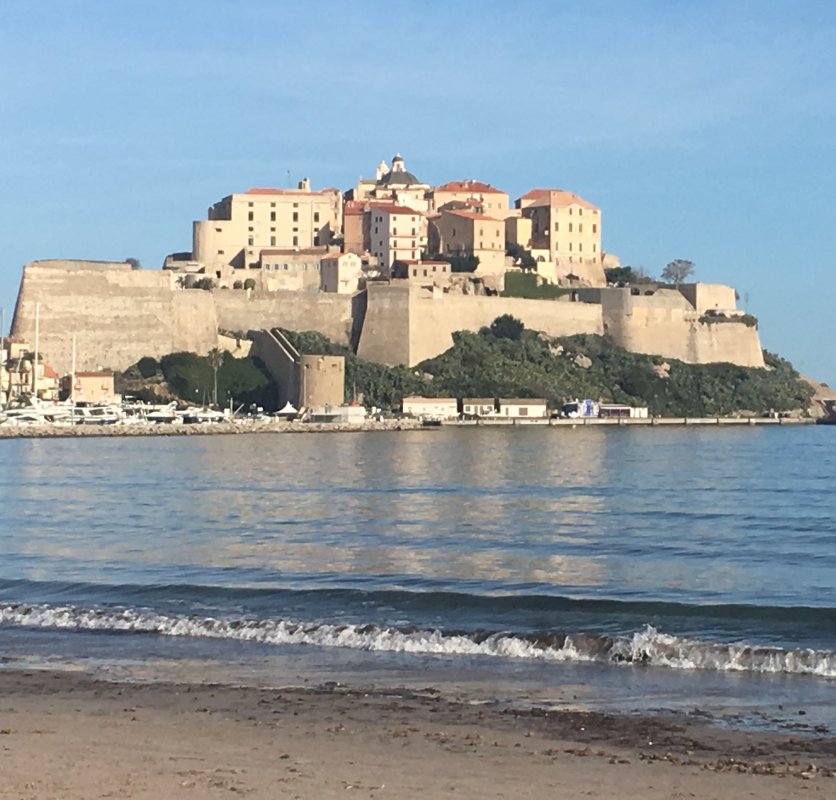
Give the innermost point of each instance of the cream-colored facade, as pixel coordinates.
(569, 228)
(423, 273)
(91, 387)
(393, 184)
(289, 269)
(341, 273)
(481, 197)
(466, 232)
(434, 407)
(518, 230)
(397, 233)
(240, 226)
(479, 407)
(516, 408)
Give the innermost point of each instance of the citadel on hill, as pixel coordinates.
(391, 267)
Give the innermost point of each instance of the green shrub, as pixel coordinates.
(526, 284)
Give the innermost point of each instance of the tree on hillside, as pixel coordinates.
(627, 275)
(677, 271)
(507, 327)
(134, 262)
(521, 255)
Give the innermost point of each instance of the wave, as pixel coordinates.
(424, 600)
(643, 647)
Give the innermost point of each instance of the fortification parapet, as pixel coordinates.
(662, 321)
(117, 314)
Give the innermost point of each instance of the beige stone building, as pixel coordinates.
(569, 229)
(18, 378)
(240, 226)
(341, 273)
(394, 184)
(397, 233)
(288, 269)
(480, 197)
(90, 387)
(423, 273)
(459, 232)
(518, 230)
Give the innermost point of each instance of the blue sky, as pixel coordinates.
(704, 131)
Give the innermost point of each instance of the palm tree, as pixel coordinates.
(216, 359)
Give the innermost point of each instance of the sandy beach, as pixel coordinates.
(64, 735)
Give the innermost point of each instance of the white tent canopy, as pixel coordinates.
(289, 409)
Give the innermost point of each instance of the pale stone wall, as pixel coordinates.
(118, 315)
(407, 326)
(666, 324)
(330, 314)
(434, 318)
(385, 334)
(709, 296)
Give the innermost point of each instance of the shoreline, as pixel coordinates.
(69, 735)
(261, 427)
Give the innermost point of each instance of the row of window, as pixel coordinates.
(580, 227)
(272, 205)
(580, 247)
(295, 216)
(251, 241)
(291, 267)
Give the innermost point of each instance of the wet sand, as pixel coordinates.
(64, 735)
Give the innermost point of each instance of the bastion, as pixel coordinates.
(117, 315)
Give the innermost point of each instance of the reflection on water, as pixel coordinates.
(673, 514)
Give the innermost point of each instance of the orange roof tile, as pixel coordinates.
(294, 192)
(398, 210)
(470, 215)
(556, 197)
(468, 186)
(294, 251)
(49, 372)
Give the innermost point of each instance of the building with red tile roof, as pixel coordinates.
(396, 232)
(459, 232)
(240, 226)
(487, 198)
(568, 229)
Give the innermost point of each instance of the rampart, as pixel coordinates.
(330, 314)
(665, 323)
(408, 325)
(119, 315)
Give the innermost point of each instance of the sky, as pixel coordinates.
(704, 131)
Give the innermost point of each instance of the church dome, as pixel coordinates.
(398, 176)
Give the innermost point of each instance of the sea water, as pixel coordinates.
(623, 569)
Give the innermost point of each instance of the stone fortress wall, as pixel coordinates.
(119, 315)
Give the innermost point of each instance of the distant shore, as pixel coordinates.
(67, 735)
(273, 426)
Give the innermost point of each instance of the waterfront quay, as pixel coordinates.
(634, 421)
(402, 424)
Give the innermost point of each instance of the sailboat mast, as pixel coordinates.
(37, 345)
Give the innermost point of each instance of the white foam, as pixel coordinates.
(647, 646)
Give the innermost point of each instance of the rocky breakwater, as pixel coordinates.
(222, 428)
